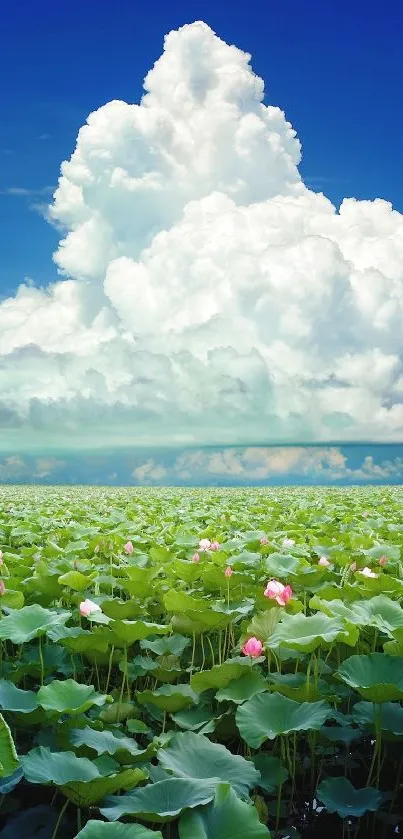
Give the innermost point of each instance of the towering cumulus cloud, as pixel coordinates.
(206, 295)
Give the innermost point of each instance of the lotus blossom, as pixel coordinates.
(204, 545)
(353, 566)
(88, 607)
(383, 560)
(228, 571)
(324, 562)
(288, 543)
(264, 540)
(1, 557)
(196, 557)
(2, 588)
(276, 591)
(129, 548)
(215, 546)
(366, 572)
(253, 647)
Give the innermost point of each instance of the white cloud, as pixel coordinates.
(270, 463)
(149, 472)
(210, 297)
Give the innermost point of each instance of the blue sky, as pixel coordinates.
(226, 308)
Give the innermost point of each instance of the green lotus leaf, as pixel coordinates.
(243, 688)
(130, 631)
(179, 601)
(162, 801)
(339, 796)
(225, 818)
(378, 677)
(194, 719)
(171, 644)
(109, 742)
(76, 580)
(12, 599)
(103, 830)
(263, 624)
(169, 698)
(388, 549)
(41, 766)
(307, 633)
(69, 697)
(88, 793)
(117, 712)
(281, 566)
(296, 686)
(265, 716)
(30, 622)
(10, 782)
(379, 611)
(389, 716)
(14, 699)
(191, 755)
(220, 675)
(272, 771)
(9, 762)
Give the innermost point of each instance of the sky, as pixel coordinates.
(201, 286)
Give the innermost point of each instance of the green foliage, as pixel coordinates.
(149, 710)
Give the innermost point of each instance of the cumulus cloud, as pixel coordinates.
(206, 294)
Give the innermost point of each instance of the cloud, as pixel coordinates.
(263, 464)
(209, 296)
(149, 472)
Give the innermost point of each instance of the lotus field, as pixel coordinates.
(200, 664)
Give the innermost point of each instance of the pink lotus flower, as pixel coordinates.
(196, 557)
(276, 591)
(353, 567)
(204, 545)
(264, 540)
(383, 560)
(366, 572)
(324, 562)
(228, 571)
(253, 647)
(2, 588)
(129, 548)
(215, 546)
(288, 543)
(88, 607)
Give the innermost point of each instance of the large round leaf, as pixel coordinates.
(41, 766)
(390, 717)
(378, 677)
(15, 699)
(127, 632)
(69, 697)
(191, 755)
(88, 793)
(220, 675)
(103, 830)
(265, 716)
(29, 622)
(225, 818)
(8, 755)
(168, 697)
(162, 801)
(339, 796)
(307, 633)
(243, 688)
